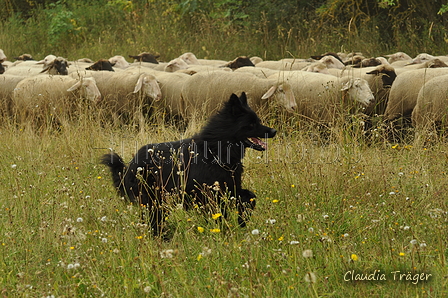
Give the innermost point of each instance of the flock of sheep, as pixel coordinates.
(320, 89)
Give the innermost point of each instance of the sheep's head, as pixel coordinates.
(176, 64)
(87, 88)
(119, 61)
(434, 63)
(24, 57)
(149, 86)
(387, 73)
(47, 60)
(332, 62)
(358, 90)
(57, 67)
(146, 57)
(239, 62)
(318, 67)
(398, 56)
(421, 58)
(284, 96)
(189, 58)
(101, 64)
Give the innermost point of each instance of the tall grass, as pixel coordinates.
(323, 209)
(329, 201)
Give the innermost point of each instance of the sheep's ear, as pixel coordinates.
(270, 92)
(347, 85)
(139, 84)
(74, 87)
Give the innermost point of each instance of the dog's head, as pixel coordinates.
(246, 124)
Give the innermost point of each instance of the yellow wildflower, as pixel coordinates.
(216, 216)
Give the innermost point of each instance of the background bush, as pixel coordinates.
(222, 29)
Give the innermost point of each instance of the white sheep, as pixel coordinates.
(7, 85)
(422, 57)
(317, 67)
(323, 98)
(24, 68)
(212, 62)
(204, 93)
(261, 72)
(404, 91)
(431, 110)
(51, 64)
(2, 56)
(284, 64)
(332, 62)
(379, 78)
(47, 60)
(171, 104)
(47, 99)
(398, 56)
(255, 59)
(174, 65)
(125, 93)
(189, 58)
(119, 62)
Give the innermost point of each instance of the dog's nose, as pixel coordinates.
(272, 133)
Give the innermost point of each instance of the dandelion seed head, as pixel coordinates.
(413, 242)
(167, 253)
(79, 219)
(147, 289)
(310, 277)
(307, 253)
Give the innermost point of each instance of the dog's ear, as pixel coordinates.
(236, 104)
(243, 99)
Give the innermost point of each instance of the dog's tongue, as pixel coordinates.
(259, 142)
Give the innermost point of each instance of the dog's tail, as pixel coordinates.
(117, 168)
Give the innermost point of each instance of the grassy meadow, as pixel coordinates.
(327, 212)
(331, 210)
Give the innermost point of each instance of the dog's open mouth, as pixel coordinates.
(256, 143)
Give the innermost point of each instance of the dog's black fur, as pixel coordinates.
(195, 165)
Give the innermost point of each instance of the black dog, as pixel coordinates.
(201, 171)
